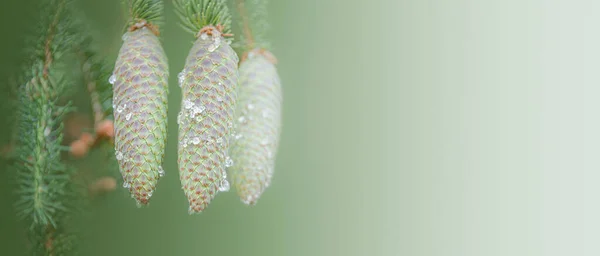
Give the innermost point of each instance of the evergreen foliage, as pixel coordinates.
(197, 14)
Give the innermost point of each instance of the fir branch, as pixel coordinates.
(44, 184)
(254, 24)
(145, 13)
(197, 14)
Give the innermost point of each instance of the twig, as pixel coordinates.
(47, 48)
(247, 31)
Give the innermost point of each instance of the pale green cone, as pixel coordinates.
(258, 122)
(208, 84)
(140, 111)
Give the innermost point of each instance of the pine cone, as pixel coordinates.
(140, 110)
(208, 83)
(258, 115)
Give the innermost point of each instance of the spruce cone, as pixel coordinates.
(208, 83)
(140, 111)
(258, 116)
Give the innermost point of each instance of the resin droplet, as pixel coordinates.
(204, 36)
(161, 171)
(196, 110)
(228, 162)
(181, 78)
(188, 104)
(112, 79)
(128, 116)
(212, 48)
(119, 155)
(121, 108)
(224, 186)
(179, 117)
(196, 141)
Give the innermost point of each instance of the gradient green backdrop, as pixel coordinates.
(411, 127)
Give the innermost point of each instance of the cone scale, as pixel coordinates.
(258, 126)
(208, 84)
(140, 111)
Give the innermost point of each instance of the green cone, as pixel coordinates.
(208, 83)
(140, 111)
(258, 116)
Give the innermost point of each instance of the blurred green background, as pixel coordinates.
(410, 128)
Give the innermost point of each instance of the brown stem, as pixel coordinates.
(47, 47)
(49, 245)
(247, 31)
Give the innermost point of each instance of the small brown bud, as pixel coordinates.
(87, 138)
(79, 148)
(106, 128)
(103, 185)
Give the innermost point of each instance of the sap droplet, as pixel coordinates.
(128, 116)
(219, 99)
(138, 204)
(124, 36)
(212, 47)
(121, 108)
(228, 162)
(203, 36)
(224, 186)
(161, 171)
(196, 141)
(150, 194)
(179, 117)
(119, 155)
(196, 110)
(238, 136)
(250, 106)
(220, 141)
(181, 77)
(126, 184)
(242, 119)
(249, 200)
(187, 104)
(112, 79)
